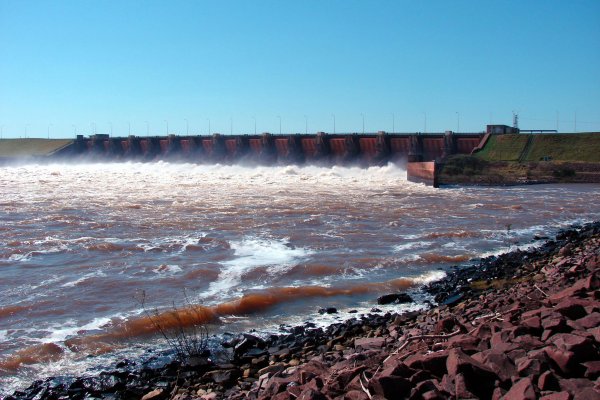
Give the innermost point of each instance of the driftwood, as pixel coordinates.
(418, 337)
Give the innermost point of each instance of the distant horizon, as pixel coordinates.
(73, 67)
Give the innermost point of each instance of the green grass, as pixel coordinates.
(30, 147)
(558, 147)
(503, 148)
(566, 147)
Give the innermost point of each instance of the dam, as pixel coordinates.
(321, 148)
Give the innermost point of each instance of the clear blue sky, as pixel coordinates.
(67, 64)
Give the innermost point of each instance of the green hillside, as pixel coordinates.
(535, 147)
(30, 147)
(566, 147)
(503, 148)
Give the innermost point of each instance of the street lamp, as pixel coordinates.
(75, 128)
(279, 116)
(231, 125)
(254, 118)
(187, 127)
(457, 122)
(393, 122)
(167, 122)
(110, 124)
(147, 128)
(128, 128)
(363, 121)
(333, 115)
(208, 119)
(305, 125)
(49, 130)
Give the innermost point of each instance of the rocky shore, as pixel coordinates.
(525, 325)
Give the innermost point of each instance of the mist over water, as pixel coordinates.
(255, 246)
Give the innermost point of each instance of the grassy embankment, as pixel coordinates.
(27, 148)
(528, 158)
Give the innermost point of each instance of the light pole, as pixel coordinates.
(93, 124)
(147, 128)
(187, 127)
(305, 125)
(208, 119)
(363, 121)
(231, 125)
(393, 122)
(425, 122)
(254, 118)
(167, 122)
(75, 128)
(49, 130)
(279, 116)
(110, 124)
(457, 122)
(128, 128)
(333, 115)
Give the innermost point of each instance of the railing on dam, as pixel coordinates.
(266, 148)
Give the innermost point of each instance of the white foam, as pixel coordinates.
(167, 269)
(95, 274)
(58, 333)
(411, 246)
(250, 253)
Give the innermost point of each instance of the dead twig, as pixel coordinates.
(544, 293)
(363, 386)
(413, 338)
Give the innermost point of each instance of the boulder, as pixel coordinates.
(434, 362)
(396, 298)
(479, 378)
(522, 390)
(390, 386)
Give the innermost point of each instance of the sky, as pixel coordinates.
(152, 67)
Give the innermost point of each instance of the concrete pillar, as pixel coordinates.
(382, 152)
(218, 148)
(415, 154)
(449, 144)
(322, 146)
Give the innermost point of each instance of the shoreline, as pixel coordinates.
(377, 355)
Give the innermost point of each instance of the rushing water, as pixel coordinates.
(257, 246)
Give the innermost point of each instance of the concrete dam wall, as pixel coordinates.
(364, 149)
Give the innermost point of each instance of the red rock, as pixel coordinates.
(547, 381)
(434, 363)
(498, 362)
(284, 396)
(592, 282)
(582, 347)
(562, 359)
(390, 386)
(596, 333)
(498, 393)
(533, 324)
(499, 338)
(576, 386)
(590, 321)
(460, 388)
(155, 395)
(479, 378)
(311, 394)
(557, 396)
(445, 325)
(369, 343)
(587, 393)
(466, 343)
(522, 390)
(531, 313)
(528, 342)
(532, 368)
(554, 324)
(343, 378)
(425, 386)
(592, 369)
(355, 395)
(398, 369)
(570, 309)
(433, 395)
(573, 291)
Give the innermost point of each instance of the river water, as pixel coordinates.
(256, 246)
